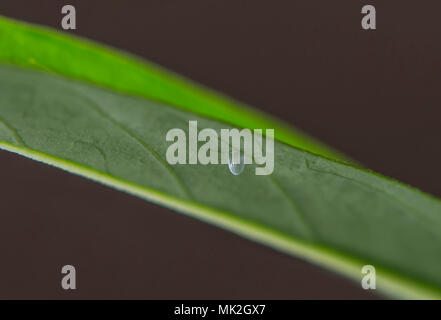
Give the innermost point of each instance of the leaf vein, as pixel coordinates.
(95, 106)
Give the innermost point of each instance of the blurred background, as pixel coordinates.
(374, 95)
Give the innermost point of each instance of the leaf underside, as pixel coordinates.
(322, 210)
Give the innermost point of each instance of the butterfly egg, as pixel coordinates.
(236, 164)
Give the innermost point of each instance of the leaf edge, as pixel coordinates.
(392, 284)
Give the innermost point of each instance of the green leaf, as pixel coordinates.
(112, 129)
(47, 50)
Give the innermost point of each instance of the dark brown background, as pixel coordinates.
(371, 94)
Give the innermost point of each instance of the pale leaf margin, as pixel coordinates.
(391, 283)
